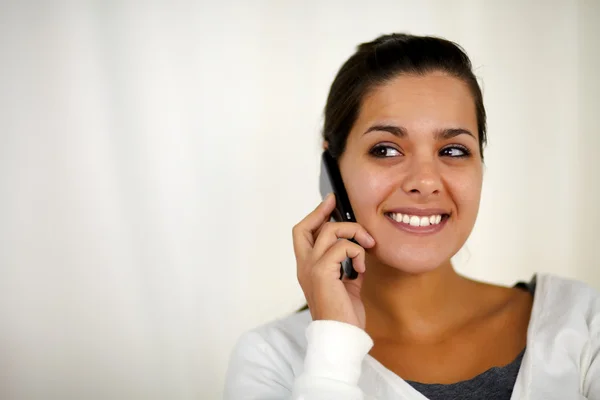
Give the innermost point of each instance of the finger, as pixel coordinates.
(303, 232)
(317, 232)
(329, 264)
(331, 232)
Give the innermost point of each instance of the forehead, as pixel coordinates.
(420, 102)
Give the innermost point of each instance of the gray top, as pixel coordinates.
(494, 384)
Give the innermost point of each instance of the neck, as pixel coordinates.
(405, 306)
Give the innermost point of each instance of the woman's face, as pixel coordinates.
(413, 170)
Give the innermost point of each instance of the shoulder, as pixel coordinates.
(266, 360)
(280, 342)
(287, 331)
(566, 332)
(565, 308)
(565, 298)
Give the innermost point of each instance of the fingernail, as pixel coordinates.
(370, 238)
(329, 196)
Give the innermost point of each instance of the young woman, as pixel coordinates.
(406, 123)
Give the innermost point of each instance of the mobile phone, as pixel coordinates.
(331, 181)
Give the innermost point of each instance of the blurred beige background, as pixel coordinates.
(154, 157)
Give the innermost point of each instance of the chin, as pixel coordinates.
(411, 260)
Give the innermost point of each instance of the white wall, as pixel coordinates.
(154, 157)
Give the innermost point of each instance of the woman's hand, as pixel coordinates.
(319, 253)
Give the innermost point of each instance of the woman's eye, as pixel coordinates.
(382, 151)
(455, 151)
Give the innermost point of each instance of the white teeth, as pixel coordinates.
(414, 220)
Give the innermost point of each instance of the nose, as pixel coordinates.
(423, 178)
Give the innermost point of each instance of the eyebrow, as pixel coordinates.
(401, 132)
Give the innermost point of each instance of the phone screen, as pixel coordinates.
(331, 181)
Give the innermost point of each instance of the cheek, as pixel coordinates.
(367, 190)
(466, 190)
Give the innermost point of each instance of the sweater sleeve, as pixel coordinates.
(333, 362)
(332, 366)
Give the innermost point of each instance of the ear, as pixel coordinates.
(325, 145)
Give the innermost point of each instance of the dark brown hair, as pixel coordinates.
(374, 63)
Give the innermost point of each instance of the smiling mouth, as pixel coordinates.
(418, 220)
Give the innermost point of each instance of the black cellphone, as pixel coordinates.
(331, 181)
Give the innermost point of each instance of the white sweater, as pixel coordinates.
(297, 358)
